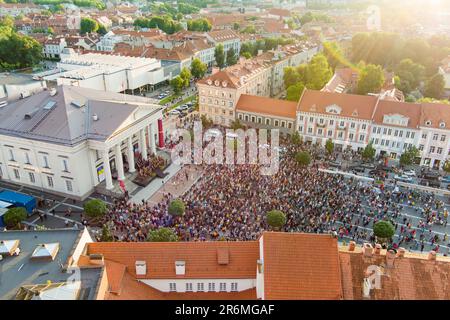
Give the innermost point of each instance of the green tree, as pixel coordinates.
(102, 29)
(236, 124)
(410, 74)
(296, 139)
(290, 76)
(206, 122)
(276, 219)
(294, 92)
(18, 51)
(177, 84)
(201, 25)
(371, 79)
(329, 146)
(368, 152)
(246, 55)
(106, 235)
(95, 208)
(383, 230)
(231, 57)
(162, 235)
(88, 25)
(7, 21)
(219, 55)
(303, 158)
(185, 75)
(236, 26)
(198, 68)
(14, 216)
(435, 86)
(333, 53)
(176, 208)
(408, 157)
(318, 72)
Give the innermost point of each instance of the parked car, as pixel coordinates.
(446, 179)
(357, 168)
(403, 178)
(434, 184)
(182, 107)
(333, 164)
(410, 173)
(182, 114)
(368, 165)
(174, 112)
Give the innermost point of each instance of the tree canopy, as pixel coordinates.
(95, 208)
(162, 235)
(231, 57)
(369, 152)
(276, 219)
(198, 68)
(176, 207)
(371, 79)
(303, 158)
(435, 86)
(164, 23)
(88, 25)
(408, 157)
(294, 92)
(219, 55)
(14, 216)
(201, 25)
(384, 230)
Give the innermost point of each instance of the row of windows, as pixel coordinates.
(397, 133)
(201, 286)
(433, 149)
(331, 123)
(267, 122)
(394, 144)
(45, 163)
(216, 110)
(435, 137)
(223, 94)
(217, 102)
(50, 183)
(340, 135)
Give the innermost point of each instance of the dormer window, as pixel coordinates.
(428, 123)
(442, 124)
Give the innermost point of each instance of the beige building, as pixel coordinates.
(219, 93)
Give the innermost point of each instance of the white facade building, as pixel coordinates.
(107, 72)
(70, 142)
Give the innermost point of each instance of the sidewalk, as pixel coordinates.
(147, 192)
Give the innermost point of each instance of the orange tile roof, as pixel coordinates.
(352, 105)
(436, 113)
(411, 278)
(410, 110)
(301, 266)
(267, 106)
(115, 273)
(200, 258)
(132, 289)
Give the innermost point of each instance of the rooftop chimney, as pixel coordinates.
(377, 248)
(401, 252)
(141, 268)
(432, 255)
(390, 257)
(352, 246)
(367, 249)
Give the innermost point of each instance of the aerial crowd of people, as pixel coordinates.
(230, 202)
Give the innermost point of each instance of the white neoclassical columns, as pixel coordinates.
(119, 162)
(143, 144)
(107, 169)
(151, 138)
(130, 155)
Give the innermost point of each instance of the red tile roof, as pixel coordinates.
(200, 258)
(352, 105)
(301, 266)
(387, 107)
(412, 277)
(267, 106)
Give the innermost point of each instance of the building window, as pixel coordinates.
(69, 185)
(290, 125)
(276, 123)
(432, 149)
(172, 287)
(11, 155)
(189, 287)
(253, 119)
(309, 130)
(311, 119)
(363, 126)
(319, 131)
(65, 165)
(27, 158)
(16, 174)
(283, 124)
(200, 286)
(352, 125)
(350, 136)
(342, 123)
(435, 136)
(300, 129)
(421, 147)
(246, 118)
(300, 118)
(234, 286)
(267, 122)
(31, 175)
(45, 158)
(340, 135)
(330, 133)
(223, 286)
(378, 130)
(439, 150)
(240, 116)
(331, 122)
(211, 286)
(50, 181)
(424, 136)
(376, 141)
(361, 137)
(390, 131)
(443, 137)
